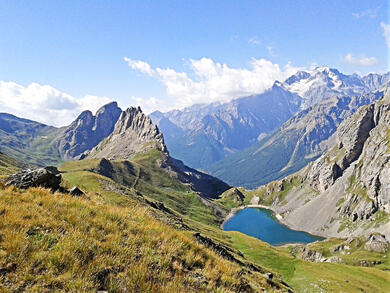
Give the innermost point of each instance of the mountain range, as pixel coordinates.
(229, 138)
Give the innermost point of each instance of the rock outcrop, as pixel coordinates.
(377, 243)
(87, 131)
(133, 133)
(204, 184)
(75, 191)
(48, 177)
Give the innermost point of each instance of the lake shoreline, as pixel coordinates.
(278, 217)
(233, 211)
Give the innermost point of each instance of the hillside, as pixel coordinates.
(148, 223)
(9, 165)
(345, 191)
(27, 140)
(291, 147)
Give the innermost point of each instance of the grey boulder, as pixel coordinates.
(48, 177)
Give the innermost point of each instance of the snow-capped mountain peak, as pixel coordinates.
(322, 82)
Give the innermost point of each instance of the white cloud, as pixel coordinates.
(371, 13)
(44, 103)
(140, 66)
(386, 33)
(214, 81)
(254, 41)
(361, 60)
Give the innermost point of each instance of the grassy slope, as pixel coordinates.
(57, 242)
(306, 276)
(143, 175)
(123, 245)
(8, 165)
(34, 149)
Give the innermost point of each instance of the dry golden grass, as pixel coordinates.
(55, 242)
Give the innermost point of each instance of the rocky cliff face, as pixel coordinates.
(347, 190)
(133, 133)
(87, 131)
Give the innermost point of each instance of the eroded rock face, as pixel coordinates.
(87, 131)
(48, 177)
(204, 184)
(353, 133)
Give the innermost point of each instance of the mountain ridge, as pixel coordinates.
(217, 130)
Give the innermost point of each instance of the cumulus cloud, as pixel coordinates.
(386, 33)
(214, 81)
(371, 13)
(44, 103)
(361, 60)
(140, 66)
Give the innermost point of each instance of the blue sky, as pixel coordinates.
(78, 47)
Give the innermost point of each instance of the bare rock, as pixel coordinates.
(75, 191)
(376, 242)
(312, 255)
(133, 133)
(48, 177)
(87, 131)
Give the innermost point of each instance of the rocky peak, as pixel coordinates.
(87, 131)
(134, 132)
(85, 116)
(104, 116)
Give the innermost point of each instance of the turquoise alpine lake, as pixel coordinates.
(261, 223)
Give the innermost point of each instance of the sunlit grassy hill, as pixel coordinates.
(105, 241)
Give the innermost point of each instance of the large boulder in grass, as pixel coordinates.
(48, 177)
(376, 242)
